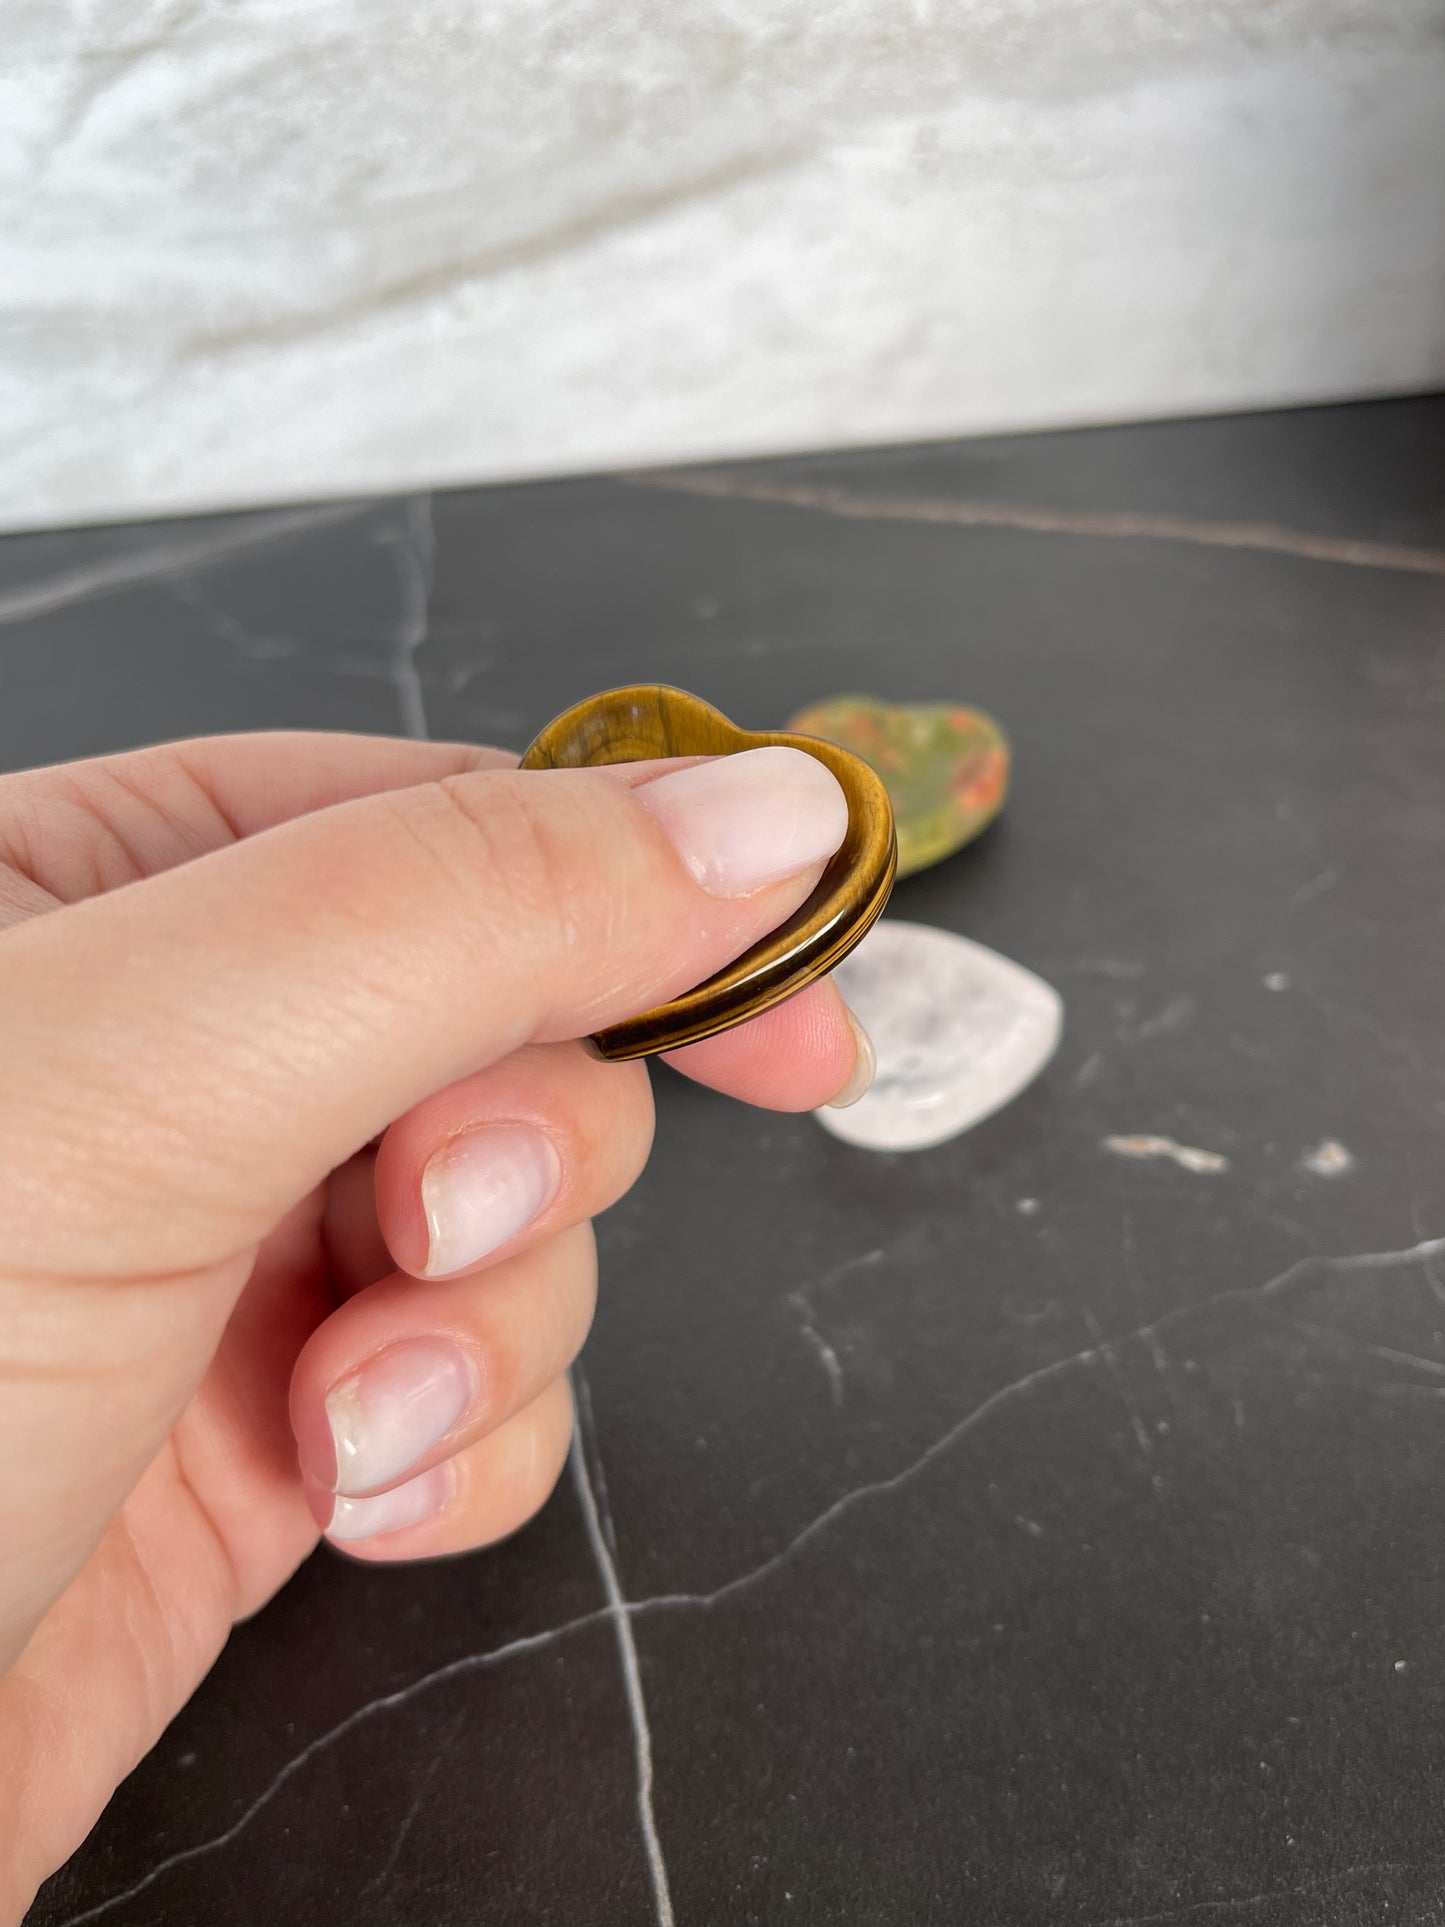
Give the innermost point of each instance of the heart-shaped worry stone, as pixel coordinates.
(946, 767)
(649, 720)
(959, 1032)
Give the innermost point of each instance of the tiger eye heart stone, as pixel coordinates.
(648, 721)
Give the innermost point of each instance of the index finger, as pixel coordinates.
(73, 830)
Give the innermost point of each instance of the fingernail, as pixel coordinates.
(750, 819)
(411, 1504)
(397, 1407)
(865, 1067)
(482, 1189)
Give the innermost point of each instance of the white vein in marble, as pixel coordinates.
(1424, 1252)
(959, 1032)
(602, 1539)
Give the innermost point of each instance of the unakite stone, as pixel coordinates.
(946, 767)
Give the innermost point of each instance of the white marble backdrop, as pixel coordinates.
(265, 249)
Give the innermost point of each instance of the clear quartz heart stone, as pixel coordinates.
(959, 1032)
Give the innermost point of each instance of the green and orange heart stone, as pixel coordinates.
(946, 768)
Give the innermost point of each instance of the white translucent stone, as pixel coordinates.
(959, 1032)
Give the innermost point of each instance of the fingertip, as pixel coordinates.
(315, 1444)
(865, 1066)
(548, 1136)
(320, 1500)
(801, 1055)
(479, 1496)
(382, 1516)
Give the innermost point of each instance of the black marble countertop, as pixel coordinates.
(1108, 1589)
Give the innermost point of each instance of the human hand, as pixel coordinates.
(229, 971)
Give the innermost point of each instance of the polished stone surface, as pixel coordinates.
(1020, 1531)
(959, 1031)
(258, 251)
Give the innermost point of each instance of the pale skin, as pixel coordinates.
(262, 1002)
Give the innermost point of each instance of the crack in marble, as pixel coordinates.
(1388, 1352)
(1107, 524)
(1176, 1015)
(1117, 969)
(228, 628)
(1370, 1387)
(384, 1703)
(1417, 1222)
(1157, 1353)
(1417, 1254)
(1130, 1257)
(618, 1613)
(629, 206)
(1245, 1901)
(100, 70)
(823, 1351)
(801, 1301)
(409, 1818)
(1318, 885)
(1089, 1070)
(582, 1393)
(1422, 1253)
(415, 544)
(162, 561)
(1105, 1351)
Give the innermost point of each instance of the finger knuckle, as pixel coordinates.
(520, 841)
